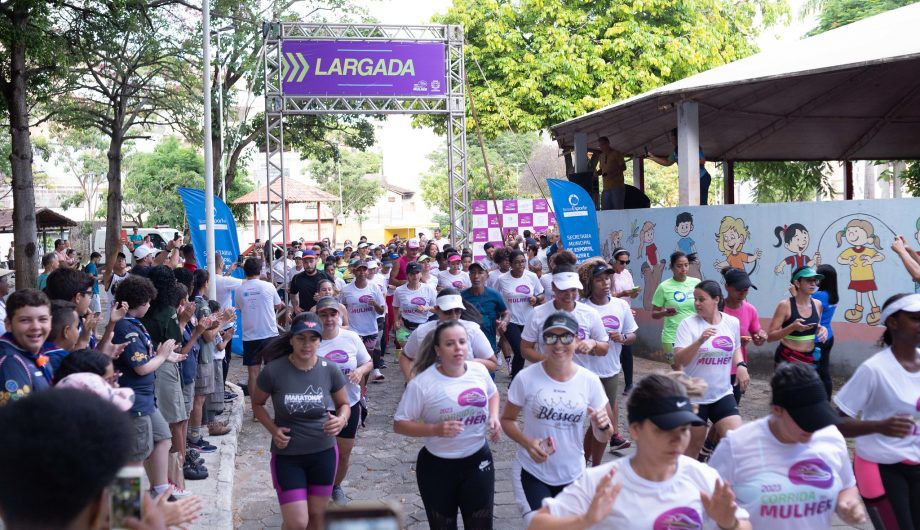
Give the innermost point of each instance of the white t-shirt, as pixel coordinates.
(347, 351)
(557, 409)
(784, 486)
(432, 280)
(589, 327)
(713, 362)
(670, 504)
(256, 301)
(517, 293)
(441, 242)
(226, 287)
(541, 255)
(113, 284)
(381, 282)
(879, 389)
(479, 347)
(615, 316)
(408, 301)
(459, 281)
(433, 397)
(546, 280)
(362, 318)
(492, 278)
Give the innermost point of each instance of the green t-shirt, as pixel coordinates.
(679, 295)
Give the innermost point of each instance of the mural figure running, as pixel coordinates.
(860, 233)
(795, 239)
(732, 236)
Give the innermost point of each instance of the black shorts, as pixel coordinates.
(251, 351)
(296, 477)
(351, 428)
(718, 410)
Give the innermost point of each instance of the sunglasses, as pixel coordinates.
(621, 262)
(551, 338)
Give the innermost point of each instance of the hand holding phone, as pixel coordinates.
(126, 497)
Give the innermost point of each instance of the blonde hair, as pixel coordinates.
(731, 223)
(647, 227)
(584, 274)
(864, 225)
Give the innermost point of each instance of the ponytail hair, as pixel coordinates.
(199, 279)
(427, 355)
(785, 233)
(280, 346)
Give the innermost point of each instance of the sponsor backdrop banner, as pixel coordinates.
(769, 241)
(363, 68)
(225, 238)
(515, 215)
(576, 217)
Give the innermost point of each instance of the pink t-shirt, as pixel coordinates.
(750, 324)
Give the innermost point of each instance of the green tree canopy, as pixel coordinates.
(835, 13)
(347, 176)
(507, 153)
(549, 61)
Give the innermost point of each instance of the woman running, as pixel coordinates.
(327, 288)
(673, 302)
(304, 452)
(413, 302)
(556, 396)
(827, 295)
(346, 350)
(453, 276)
(623, 287)
(429, 276)
(618, 322)
(884, 394)
(450, 306)
(737, 285)
(453, 404)
(656, 488)
(791, 469)
(706, 345)
(522, 291)
(797, 321)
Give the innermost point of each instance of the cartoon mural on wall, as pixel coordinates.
(732, 236)
(795, 239)
(866, 229)
(611, 243)
(860, 235)
(652, 267)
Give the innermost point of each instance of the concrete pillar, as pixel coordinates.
(638, 171)
(581, 152)
(896, 170)
(688, 153)
(869, 177)
(728, 184)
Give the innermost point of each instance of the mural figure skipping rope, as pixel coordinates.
(860, 233)
(652, 268)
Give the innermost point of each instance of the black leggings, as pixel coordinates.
(626, 361)
(535, 490)
(899, 507)
(447, 484)
(513, 336)
(824, 366)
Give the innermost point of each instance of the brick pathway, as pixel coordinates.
(383, 463)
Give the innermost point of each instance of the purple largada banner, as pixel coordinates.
(363, 68)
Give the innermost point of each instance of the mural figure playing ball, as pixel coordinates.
(860, 234)
(732, 236)
(795, 239)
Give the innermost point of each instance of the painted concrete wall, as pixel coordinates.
(769, 241)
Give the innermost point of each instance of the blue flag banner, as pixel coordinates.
(576, 218)
(225, 238)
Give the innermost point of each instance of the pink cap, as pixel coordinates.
(413, 243)
(122, 398)
(454, 257)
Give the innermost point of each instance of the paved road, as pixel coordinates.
(383, 463)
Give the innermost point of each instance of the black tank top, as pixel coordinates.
(807, 334)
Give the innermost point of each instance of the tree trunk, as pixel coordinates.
(25, 230)
(113, 243)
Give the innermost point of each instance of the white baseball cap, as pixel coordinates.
(413, 243)
(450, 301)
(566, 280)
(372, 264)
(143, 251)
